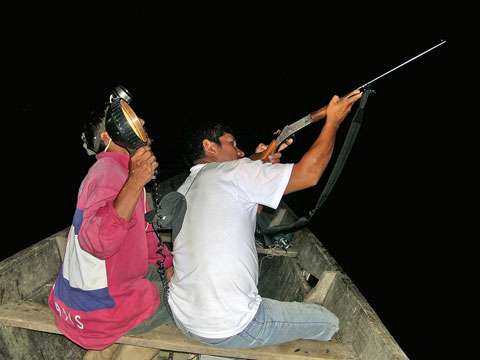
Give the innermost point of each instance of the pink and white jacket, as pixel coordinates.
(100, 293)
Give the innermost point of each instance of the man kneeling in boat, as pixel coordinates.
(213, 294)
(109, 285)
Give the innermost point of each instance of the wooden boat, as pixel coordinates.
(285, 274)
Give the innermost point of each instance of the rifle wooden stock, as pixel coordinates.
(268, 151)
(315, 116)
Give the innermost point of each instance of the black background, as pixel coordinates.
(389, 220)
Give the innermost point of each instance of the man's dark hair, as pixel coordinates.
(93, 127)
(197, 131)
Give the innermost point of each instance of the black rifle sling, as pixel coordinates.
(337, 169)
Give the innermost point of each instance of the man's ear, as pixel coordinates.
(209, 147)
(105, 137)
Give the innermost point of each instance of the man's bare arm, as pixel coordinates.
(310, 168)
(142, 167)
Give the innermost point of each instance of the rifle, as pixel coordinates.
(289, 130)
(270, 234)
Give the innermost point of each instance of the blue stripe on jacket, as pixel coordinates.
(82, 300)
(76, 298)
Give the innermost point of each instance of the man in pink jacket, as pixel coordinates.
(109, 285)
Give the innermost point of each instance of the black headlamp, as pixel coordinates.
(122, 125)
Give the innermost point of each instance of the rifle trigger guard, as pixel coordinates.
(291, 137)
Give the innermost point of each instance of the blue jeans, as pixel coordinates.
(277, 322)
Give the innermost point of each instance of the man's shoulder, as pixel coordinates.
(257, 164)
(104, 172)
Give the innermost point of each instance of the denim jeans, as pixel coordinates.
(277, 322)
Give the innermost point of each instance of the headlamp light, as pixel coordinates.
(122, 124)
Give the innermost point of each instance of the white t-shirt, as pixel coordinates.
(213, 292)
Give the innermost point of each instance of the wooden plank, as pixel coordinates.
(38, 317)
(167, 337)
(320, 292)
(277, 252)
(28, 315)
(278, 217)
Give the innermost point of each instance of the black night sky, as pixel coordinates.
(390, 212)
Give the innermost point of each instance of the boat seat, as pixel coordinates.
(38, 317)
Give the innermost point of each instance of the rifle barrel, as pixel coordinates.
(399, 66)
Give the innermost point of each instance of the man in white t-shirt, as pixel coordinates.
(213, 293)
